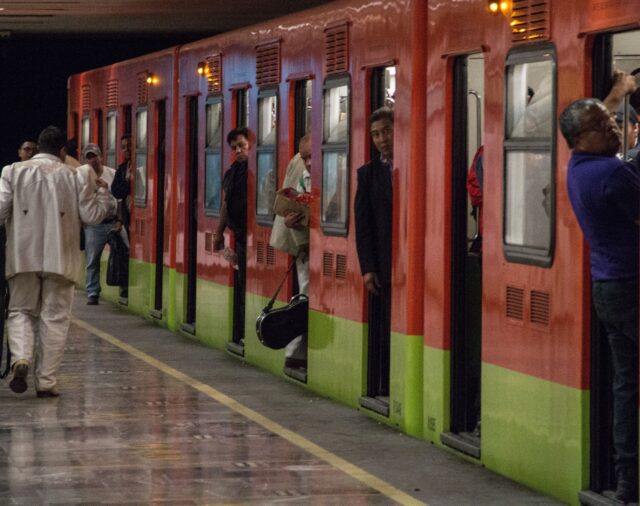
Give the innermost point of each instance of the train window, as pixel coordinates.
(529, 186)
(267, 165)
(335, 161)
(86, 130)
(140, 193)
(302, 101)
(111, 148)
(100, 124)
(383, 87)
(213, 156)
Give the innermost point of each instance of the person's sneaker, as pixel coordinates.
(92, 300)
(18, 383)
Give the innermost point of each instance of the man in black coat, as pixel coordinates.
(121, 189)
(373, 212)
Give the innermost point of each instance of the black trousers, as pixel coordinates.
(379, 341)
(239, 291)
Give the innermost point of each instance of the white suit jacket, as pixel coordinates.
(43, 202)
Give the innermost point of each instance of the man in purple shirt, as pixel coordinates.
(604, 193)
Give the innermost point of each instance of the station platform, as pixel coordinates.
(147, 416)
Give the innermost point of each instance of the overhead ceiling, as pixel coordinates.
(139, 17)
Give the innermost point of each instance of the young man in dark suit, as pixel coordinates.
(373, 212)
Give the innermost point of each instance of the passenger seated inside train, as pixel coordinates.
(603, 191)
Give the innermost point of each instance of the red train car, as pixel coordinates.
(493, 349)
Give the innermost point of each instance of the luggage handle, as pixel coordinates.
(286, 275)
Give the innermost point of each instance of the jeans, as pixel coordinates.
(616, 303)
(95, 239)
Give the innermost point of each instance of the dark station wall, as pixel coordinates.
(34, 72)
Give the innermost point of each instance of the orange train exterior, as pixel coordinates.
(539, 390)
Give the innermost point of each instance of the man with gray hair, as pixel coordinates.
(604, 195)
(96, 234)
(43, 201)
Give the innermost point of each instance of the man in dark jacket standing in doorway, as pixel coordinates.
(373, 212)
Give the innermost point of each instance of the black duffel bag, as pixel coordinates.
(118, 263)
(278, 327)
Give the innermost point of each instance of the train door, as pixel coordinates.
(192, 216)
(302, 126)
(161, 115)
(611, 51)
(466, 255)
(382, 92)
(236, 346)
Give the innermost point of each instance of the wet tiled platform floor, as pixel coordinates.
(171, 422)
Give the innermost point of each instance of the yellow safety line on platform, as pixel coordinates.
(294, 438)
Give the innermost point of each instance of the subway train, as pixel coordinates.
(494, 353)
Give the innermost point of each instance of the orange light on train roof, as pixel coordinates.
(494, 7)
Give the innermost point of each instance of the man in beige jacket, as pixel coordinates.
(43, 202)
(290, 236)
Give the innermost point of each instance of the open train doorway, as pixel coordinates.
(161, 114)
(382, 93)
(611, 51)
(466, 255)
(192, 216)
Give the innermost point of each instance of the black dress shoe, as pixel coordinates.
(18, 383)
(48, 393)
(626, 491)
(295, 363)
(92, 301)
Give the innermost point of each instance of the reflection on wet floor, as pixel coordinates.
(123, 432)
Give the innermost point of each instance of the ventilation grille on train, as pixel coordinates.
(334, 265)
(112, 94)
(327, 264)
(530, 20)
(540, 308)
(336, 49)
(214, 73)
(260, 254)
(208, 242)
(515, 303)
(143, 88)
(268, 64)
(86, 97)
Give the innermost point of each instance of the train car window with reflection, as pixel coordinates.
(140, 193)
(267, 165)
(529, 185)
(213, 156)
(111, 139)
(335, 161)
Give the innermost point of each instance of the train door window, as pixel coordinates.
(529, 145)
(85, 130)
(242, 108)
(335, 157)
(267, 155)
(100, 125)
(213, 156)
(112, 145)
(140, 193)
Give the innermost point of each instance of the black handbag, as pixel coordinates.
(278, 327)
(118, 263)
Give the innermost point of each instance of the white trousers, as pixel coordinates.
(38, 322)
(298, 347)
